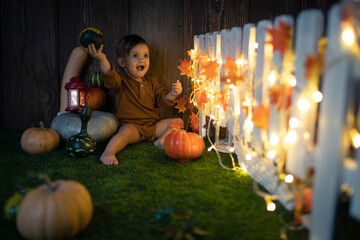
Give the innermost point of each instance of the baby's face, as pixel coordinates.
(137, 63)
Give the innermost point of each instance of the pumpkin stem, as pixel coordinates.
(41, 123)
(48, 182)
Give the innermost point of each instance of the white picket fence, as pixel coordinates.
(318, 138)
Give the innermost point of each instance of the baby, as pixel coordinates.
(138, 96)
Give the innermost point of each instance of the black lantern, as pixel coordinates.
(76, 94)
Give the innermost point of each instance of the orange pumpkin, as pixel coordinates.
(39, 140)
(55, 210)
(96, 98)
(183, 146)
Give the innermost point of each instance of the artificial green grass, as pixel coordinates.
(222, 202)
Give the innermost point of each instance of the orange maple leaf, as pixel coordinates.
(177, 125)
(281, 96)
(261, 116)
(281, 37)
(204, 59)
(181, 104)
(210, 70)
(186, 68)
(223, 99)
(233, 72)
(201, 98)
(194, 122)
(194, 54)
(313, 65)
(189, 104)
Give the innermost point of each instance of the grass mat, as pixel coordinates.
(222, 202)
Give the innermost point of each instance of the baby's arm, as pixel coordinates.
(176, 89)
(100, 57)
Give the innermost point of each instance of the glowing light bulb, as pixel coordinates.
(232, 86)
(239, 61)
(271, 154)
(270, 206)
(293, 122)
(355, 137)
(218, 106)
(291, 137)
(212, 117)
(249, 124)
(292, 82)
(248, 156)
(317, 96)
(274, 139)
(303, 105)
(255, 45)
(289, 178)
(348, 36)
(219, 61)
(232, 149)
(210, 148)
(272, 77)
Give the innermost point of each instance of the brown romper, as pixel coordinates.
(137, 103)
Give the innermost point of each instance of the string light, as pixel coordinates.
(317, 96)
(248, 156)
(292, 81)
(348, 36)
(303, 104)
(274, 139)
(248, 124)
(294, 122)
(271, 154)
(289, 178)
(272, 77)
(270, 205)
(291, 137)
(355, 137)
(255, 45)
(239, 61)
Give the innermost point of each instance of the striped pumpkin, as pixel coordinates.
(95, 80)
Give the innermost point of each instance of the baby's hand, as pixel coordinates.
(176, 88)
(97, 54)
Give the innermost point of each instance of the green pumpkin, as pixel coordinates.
(91, 35)
(95, 80)
(82, 144)
(12, 204)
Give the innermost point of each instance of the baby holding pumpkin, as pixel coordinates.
(138, 96)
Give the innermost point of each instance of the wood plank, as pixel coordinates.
(159, 23)
(29, 63)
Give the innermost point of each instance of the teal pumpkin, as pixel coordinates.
(91, 35)
(82, 144)
(95, 80)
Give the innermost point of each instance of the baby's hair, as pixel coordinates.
(127, 42)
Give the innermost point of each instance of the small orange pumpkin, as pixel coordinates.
(39, 140)
(96, 98)
(183, 146)
(55, 210)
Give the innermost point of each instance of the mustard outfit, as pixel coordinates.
(137, 103)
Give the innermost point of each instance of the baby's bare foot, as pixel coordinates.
(159, 143)
(109, 159)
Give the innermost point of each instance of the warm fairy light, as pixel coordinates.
(248, 124)
(239, 61)
(272, 77)
(303, 104)
(255, 45)
(270, 205)
(210, 148)
(271, 154)
(218, 106)
(212, 117)
(292, 81)
(317, 96)
(232, 86)
(291, 137)
(243, 167)
(232, 149)
(228, 80)
(219, 61)
(355, 137)
(274, 139)
(348, 36)
(289, 178)
(248, 156)
(293, 122)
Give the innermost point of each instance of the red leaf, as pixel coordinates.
(201, 98)
(177, 125)
(189, 104)
(181, 104)
(313, 65)
(186, 68)
(261, 116)
(281, 37)
(194, 122)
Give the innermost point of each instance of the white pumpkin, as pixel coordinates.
(101, 126)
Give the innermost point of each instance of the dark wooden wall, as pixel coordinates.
(37, 37)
